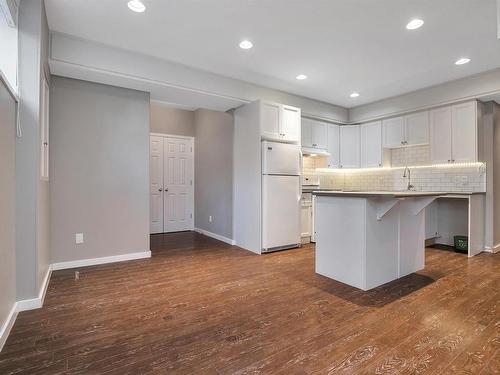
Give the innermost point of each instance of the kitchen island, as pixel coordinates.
(366, 239)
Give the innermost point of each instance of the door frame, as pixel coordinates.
(165, 135)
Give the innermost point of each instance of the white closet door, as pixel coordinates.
(156, 184)
(178, 184)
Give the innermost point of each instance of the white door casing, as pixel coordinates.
(178, 184)
(156, 184)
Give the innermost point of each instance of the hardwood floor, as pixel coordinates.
(199, 306)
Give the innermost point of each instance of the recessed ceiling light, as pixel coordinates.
(414, 24)
(462, 61)
(354, 95)
(301, 77)
(136, 6)
(246, 44)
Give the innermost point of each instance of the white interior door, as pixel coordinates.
(177, 184)
(156, 184)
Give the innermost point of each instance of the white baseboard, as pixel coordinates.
(36, 303)
(495, 249)
(7, 326)
(216, 236)
(102, 260)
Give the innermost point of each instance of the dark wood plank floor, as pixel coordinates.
(199, 306)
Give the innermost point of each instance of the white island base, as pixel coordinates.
(368, 239)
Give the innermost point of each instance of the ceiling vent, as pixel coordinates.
(9, 10)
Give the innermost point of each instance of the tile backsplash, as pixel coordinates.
(459, 178)
(468, 177)
(414, 155)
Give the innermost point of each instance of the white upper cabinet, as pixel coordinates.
(306, 134)
(270, 118)
(333, 134)
(319, 135)
(280, 122)
(464, 132)
(417, 128)
(441, 135)
(350, 155)
(454, 134)
(406, 130)
(371, 145)
(290, 123)
(314, 134)
(393, 132)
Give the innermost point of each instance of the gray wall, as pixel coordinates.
(99, 162)
(472, 87)
(7, 203)
(32, 237)
(168, 120)
(214, 171)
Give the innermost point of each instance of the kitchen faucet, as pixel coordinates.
(409, 186)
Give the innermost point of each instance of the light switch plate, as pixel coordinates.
(79, 238)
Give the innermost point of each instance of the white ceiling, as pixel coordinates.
(342, 45)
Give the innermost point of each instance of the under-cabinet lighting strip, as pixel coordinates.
(381, 169)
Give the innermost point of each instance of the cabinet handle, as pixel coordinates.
(160, 189)
(449, 161)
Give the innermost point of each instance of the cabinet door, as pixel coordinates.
(290, 123)
(417, 128)
(306, 133)
(463, 133)
(393, 132)
(305, 221)
(270, 120)
(333, 145)
(350, 146)
(440, 136)
(319, 135)
(371, 144)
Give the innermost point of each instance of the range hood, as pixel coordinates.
(314, 151)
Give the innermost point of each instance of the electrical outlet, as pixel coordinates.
(79, 238)
(210, 219)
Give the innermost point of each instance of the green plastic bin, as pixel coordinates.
(461, 244)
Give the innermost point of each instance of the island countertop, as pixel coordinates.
(387, 194)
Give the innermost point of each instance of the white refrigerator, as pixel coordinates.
(281, 189)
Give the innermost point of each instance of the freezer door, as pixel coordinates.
(281, 211)
(280, 158)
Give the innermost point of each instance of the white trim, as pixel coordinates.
(165, 135)
(7, 326)
(216, 236)
(36, 303)
(102, 260)
(495, 249)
